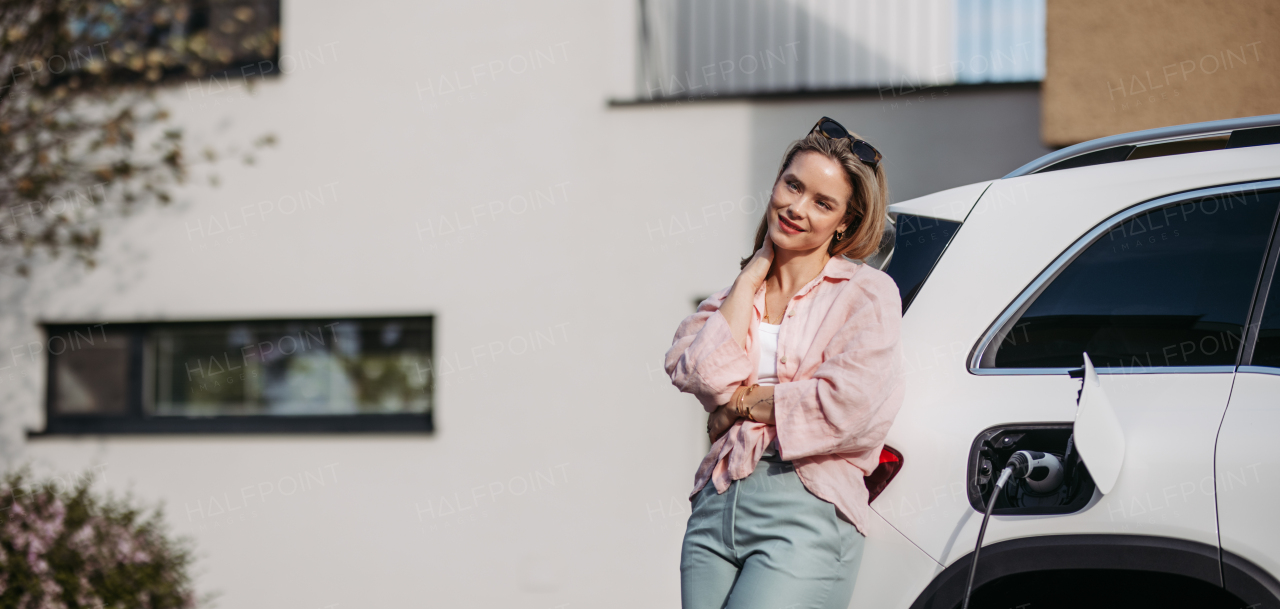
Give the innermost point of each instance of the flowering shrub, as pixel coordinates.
(66, 548)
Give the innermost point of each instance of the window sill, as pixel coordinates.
(888, 94)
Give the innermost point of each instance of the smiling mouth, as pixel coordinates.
(789, 224)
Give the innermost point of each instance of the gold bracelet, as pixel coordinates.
(743, 402)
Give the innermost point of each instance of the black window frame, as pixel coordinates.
(1028, 294)
(1267, 284)
(137, 421)
(908, 293)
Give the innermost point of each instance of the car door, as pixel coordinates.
(1248, 449)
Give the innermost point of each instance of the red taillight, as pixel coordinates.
(890, 464)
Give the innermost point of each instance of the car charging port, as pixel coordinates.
(1039, 493)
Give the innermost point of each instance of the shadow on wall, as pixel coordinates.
(26, 303)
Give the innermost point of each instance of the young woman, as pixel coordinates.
(799, 365)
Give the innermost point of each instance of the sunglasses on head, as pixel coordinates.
(861, 148)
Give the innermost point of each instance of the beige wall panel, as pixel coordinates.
(1118, 66)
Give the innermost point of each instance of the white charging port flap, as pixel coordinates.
(1097, 432)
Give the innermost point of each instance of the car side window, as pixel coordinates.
(1266, 351)
(1171, 286)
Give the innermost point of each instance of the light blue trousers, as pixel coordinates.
(767, 543)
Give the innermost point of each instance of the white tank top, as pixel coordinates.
(767, 372)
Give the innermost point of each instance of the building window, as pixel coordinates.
(90, 374)
(704, 48)
(241, 376)
(117, 43)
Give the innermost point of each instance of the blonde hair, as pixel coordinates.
(864, 211)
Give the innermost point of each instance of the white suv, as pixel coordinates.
(1154, 254)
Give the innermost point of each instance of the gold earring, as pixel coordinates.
(839, 235)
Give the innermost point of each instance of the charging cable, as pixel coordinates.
(1031, 464)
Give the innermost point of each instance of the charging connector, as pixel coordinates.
(991, 503)
(1041, 469)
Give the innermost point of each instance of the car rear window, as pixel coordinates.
(917, 246)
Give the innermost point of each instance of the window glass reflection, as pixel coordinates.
(293, 368)
(1170, 287)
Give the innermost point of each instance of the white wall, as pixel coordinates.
(636, 233)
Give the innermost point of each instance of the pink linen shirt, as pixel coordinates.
(840, 382)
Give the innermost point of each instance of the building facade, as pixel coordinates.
(481, 225)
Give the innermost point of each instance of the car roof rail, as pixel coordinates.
(1238, 133)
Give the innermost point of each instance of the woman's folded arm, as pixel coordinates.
(704, 358)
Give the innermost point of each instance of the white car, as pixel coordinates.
(1152, 254)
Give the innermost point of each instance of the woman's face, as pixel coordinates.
(808, 202)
